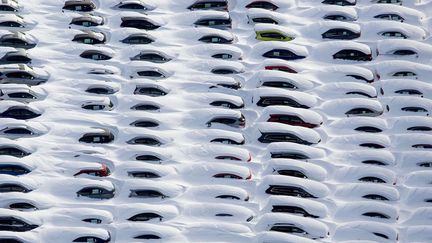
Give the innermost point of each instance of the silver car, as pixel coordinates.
(22, 74)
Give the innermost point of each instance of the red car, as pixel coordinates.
(102, 172)
(281, 68)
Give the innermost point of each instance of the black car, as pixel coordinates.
(237, 122)
(14, 170)
(227, 141)
(149, 141)
(282, 54)
(105, 137)
(79, 5)
(93, 220)
(215, 39)
(279, 84)
(19, 113)
(91, 38)
(217, 23)
(143, 174)
(404, 52)
(17, 132)
(150, 91)
(293, 173)
(9, 6)
(265, 101)
(10, 223)
(10, 239)
(224, 56)
(226, 104)
(15, 57)
(340, 34)
(17, 40)
(22, 206)
(354, 55)
(97, 106)
(288, 191)
(291, 229)
(272, 137)
(375, 197)
(145, 107)
(103, 90)
(224, 71)
(217, 5)
(288, 155)
(138, 23)
(394, 34)
(13, 151)
(87, 21)
(262, 4)
(145, 217)
(91, 239)
(135, 39)
(151, 56)
(372, 179)
(132, 6)
(147, 237)
(264, 20)
(292, 210)
(13, 187)
(338, 17)
(144, 123)
(390, 16)
(363, 112)
(151, 74)
(148, 157)
(95, 55)
(147, 193)
(96, 192)
(340, 2)
(368, 129)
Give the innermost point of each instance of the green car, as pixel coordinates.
(272, 35)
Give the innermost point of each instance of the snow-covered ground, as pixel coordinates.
(351, 177)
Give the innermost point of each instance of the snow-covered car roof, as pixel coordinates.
(213, 150)
(209, 192)
(356, 191)
(351, 174)
(409, 14)
(373, 29)
(359, 230)
(341, 106)
(351, 142)
(166, 188)
(340, 89)
(209, 170)
(210, 134)
(209, 210)
(351, 123)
